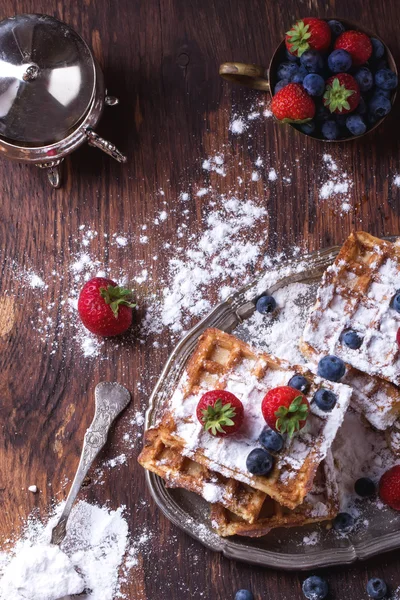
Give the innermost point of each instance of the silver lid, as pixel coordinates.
(47, 79)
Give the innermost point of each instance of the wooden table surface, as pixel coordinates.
(161, 57)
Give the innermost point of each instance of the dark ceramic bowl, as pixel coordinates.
(265, 79)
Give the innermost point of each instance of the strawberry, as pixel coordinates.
(357, 44)
(308, 34)
(285, 409)
(398, 336)
(104, 307)
(342, 93)
(292, 104)
(220, 412)
(389, 487)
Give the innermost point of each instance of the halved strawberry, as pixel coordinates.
(389, 487)
(342, 93)
(285, 409)
(306, 34)
(292, 104)
(357, 44)
(220, 412)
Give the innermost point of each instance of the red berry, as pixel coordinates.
(398, 336)
(104, 307)
(306, 34)
(220, 412)
(389, 487)
(292, 104)
(342, 93)
(357, 44)
(285, 409)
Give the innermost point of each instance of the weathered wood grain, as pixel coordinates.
(161, 58)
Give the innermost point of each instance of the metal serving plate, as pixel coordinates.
(281, 548)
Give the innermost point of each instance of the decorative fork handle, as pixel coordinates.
(110, 400)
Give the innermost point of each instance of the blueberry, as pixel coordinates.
(336, 27)
(379, 106)
(299, 382)
(376, 588)
(331, 367)
(364, 487)
(385, 93)
(330, 130)
(312, 61)
(308, 127)
(286, 70)
(356, 124)
(339, 61)
(325, 399)
(271, 440)
(350, 338)
(361, 108)
(315, 588)
(244, 595)
(364, 78)
(314, 84)
(266, 304)
(281, 84)
(386, 79)
(343, 522)
(396, 301)
(291, 57)
(377, 47)
(299, 76)
(322, 113)
(259, 462)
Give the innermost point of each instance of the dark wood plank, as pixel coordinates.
(161, 57)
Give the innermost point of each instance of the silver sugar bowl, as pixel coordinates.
(52, 93)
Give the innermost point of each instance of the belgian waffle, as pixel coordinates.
(221, 361)
(320, 504)
(376, 399)
(393, 438)
(356, 293)
(179, 471)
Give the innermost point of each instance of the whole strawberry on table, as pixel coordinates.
(333, 83)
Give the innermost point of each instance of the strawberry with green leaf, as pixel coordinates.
(220, 412)
(308, 34)
(285, 409)
(342, 93)
(104, 307)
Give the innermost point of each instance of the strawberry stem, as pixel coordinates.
(288, 419)
(214, 418)
(298, 38)
(116, 296)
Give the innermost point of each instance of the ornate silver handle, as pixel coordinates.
(107, 147)
(110, 400)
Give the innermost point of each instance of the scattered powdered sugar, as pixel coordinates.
(272, 175)
(225, 251)
(95, 545)
(121, 459)
(238, 125)
(312, 539)
(338, 185)
(396, 180)
(359, 451)
(35, 281)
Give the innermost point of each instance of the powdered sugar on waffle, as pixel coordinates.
(228, 455)
(374, 319)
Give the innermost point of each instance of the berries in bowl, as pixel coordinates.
(329, 79)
